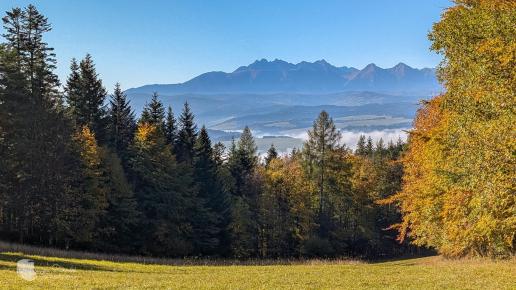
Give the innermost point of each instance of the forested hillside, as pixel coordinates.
(79, 170)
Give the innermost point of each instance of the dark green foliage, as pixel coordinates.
(154, 114)
(164, 193)
(207, 223)
(86, 97)
(170, 127)
(92, 192)
(271, 154)
(320, 157)
(369, 147)
(117, 226)
(73, 89)
(244, 187)
(361, 146)
(40, 168)
(187, 135)
(122, 123)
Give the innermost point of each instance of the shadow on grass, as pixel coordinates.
(402, 260)
(27, 250)
(15, 257)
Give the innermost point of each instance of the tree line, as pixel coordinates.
(79, 170)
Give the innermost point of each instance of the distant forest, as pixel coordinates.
(78, 169)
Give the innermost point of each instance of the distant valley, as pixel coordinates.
(277, 98)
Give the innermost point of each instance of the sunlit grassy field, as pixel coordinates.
(420, 273)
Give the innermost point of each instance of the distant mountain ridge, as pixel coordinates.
(278, 76)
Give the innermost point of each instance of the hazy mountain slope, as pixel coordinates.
(318, 77)
(278, 98)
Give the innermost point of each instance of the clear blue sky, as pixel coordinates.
(164, 41)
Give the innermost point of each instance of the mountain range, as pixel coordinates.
(277, 98)
(278, 76)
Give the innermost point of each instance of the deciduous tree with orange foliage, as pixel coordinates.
(458, 193)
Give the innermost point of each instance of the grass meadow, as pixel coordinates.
(60, 270)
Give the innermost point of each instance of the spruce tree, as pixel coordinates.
(244, 189)
(271, 155)
(73, 91)
(154, 114)
(319, 150)
(121, 122)
(41, 169)
(92, 200)
(207, 222)
(117, 227)
(219, 153)
(86, 97)
(369, 149)
(187, 135)
(379, 150)
(247, 150)
(165, 193)
(361, 146)
(170, 127)
(328, 168)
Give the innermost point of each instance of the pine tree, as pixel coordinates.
(207, 219)
(328, 168)
(271, 155)
(165, 193)
(219, 153)
(86, 97)
(121, 122)
(319, 149)
(154, 114)
(369, 149)
(187, 135)
(244, 189)
(117, 227)
(379, 150)
(170, 127)
(41, 169)
(93, 198)
(361, 146)
(247, 151)
(73, 90)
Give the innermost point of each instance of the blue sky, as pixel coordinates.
(164, 41)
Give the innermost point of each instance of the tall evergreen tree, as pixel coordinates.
(319, 150)
(73, 90)
(361, 146)
(328, 167)
(170, 127)
(154, 114)
(165, 194)
(86, 97)
(219, 153)
(208, 220)
(247, 150)
(121, 122)
(369, 148)
(245, 188)
(41, 168)
(187, 135)
(271, 155)
(117, 227)
(92, 200)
